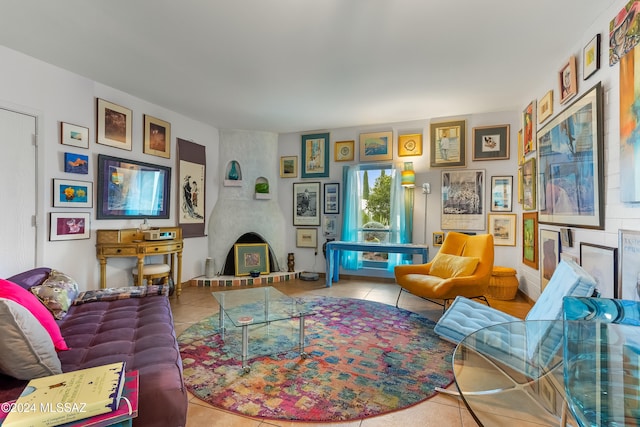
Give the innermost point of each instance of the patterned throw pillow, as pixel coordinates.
(57, 293)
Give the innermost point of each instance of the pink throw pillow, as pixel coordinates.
(13, 292)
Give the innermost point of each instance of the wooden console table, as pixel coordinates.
(130, 243)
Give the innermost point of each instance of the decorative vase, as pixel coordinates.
(233, 172)
(291, 262)
(209, 268)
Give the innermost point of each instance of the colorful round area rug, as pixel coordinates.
(364, 359)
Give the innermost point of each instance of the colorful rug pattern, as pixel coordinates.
(365, 359)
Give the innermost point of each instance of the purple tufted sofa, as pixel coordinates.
(138, 331)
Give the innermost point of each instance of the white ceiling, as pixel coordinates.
(302, 65)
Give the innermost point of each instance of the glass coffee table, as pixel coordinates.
(254, 310)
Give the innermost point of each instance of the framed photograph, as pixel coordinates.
(74, 135)
(602, 263)
(491, 142)
(410, 145)
(503, 229)
(315, 155)
(529, 185)
(591, 57)
(463, 200)
(114, 125)
(72, 194)
(571, 165)
(332, 198)
(330, 226)
(306, 203)
(250, 257)
(501, 193)
(448, 142)
(76, 163)
(132, 189)
(545, 107)
(629, 244)
(528, 128)
(549, 255)
(376, 146)
(438, 238)
(69, 226)
(530, 239)
(566, 237)
(157, 137)
(306, 237)
(289, 167)
(568, 80)
(343, 151)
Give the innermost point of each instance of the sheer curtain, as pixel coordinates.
(352, 218)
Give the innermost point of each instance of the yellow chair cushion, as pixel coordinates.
(445, 265)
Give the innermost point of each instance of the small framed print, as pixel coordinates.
(376, 146)
(448, 141)
(501, 193)
(69, 226)
(591, 57)
(74, 135)
(76, 163)
(306, 203)
(566, 237)
(343, 151)
(289, 167)
(528, 128)
(315, 156)
(157, 137)
(503, 229)
(114, 125)
(72, 194)
(438, 238)
(568, 80)
(529, 195)
(545, 107)
(530, 239)
(491, 142)
(410, 145)
(549, 255)
(330, 226)
(306, 237)
(332, 198)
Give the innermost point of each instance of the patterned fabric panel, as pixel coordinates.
(113, 294)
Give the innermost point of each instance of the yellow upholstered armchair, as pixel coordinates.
(463, 267)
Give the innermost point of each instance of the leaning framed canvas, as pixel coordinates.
(410, 145)
(491, 142)
(376, 146)
(72, 194)
(315, 155)
(501, 193)
(549, 255)
(503, 229)
(629, 277)
(69, 226)
(568, 80)
(251, 257)
(114, 125)
(74, 135)
(448, 143)
(157, 137)
(571, 165)
(530, 239)
(602, 263)
(463, 200)
(306, 203)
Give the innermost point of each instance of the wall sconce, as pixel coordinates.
(408, 176)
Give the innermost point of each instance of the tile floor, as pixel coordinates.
(195, 303)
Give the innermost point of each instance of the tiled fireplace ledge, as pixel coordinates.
(229, 281)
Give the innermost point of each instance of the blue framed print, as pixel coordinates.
(315, 155)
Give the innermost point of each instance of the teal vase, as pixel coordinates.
(233, 172)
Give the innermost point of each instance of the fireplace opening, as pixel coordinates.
(229, 265)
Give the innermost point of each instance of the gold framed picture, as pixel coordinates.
(438, 238)
(568, 80)
(448, 141)
(114, 125)
(343, 151)
(157, 137)
(289, 167)
(410, 145)
(545, 107)
(376, 146)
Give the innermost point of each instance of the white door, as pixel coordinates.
(18, 192)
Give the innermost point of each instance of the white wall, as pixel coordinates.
(55, 95)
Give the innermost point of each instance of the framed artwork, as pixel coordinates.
(567, 256)
(315, 155)
(571, 165)
(289, 167)
(629, 244)
(74, 135)
(624, 32)
(410, 145)
(568, 80)
(591, 57)
(491, 142)
(602, 263)
(530, 239)
(114, 125)
(376, 146)
(250, 257)
(306, 203)
(448, 142)
(191, 187)
(501, 193)
(438, 238)
(520, 149)
(503, 229)
(69, 226)
(330, 226)
(157, 137)
(132, 189)
(545, 107)
(529, 185)
(76, 163)
(72, 194)
(343, 151)
(629, 126)
(332, 198)
(306, 237)
(549, 255)
(566, 237)
(528, 131)
(463, 200)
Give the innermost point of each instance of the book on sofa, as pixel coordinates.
(70, 396)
